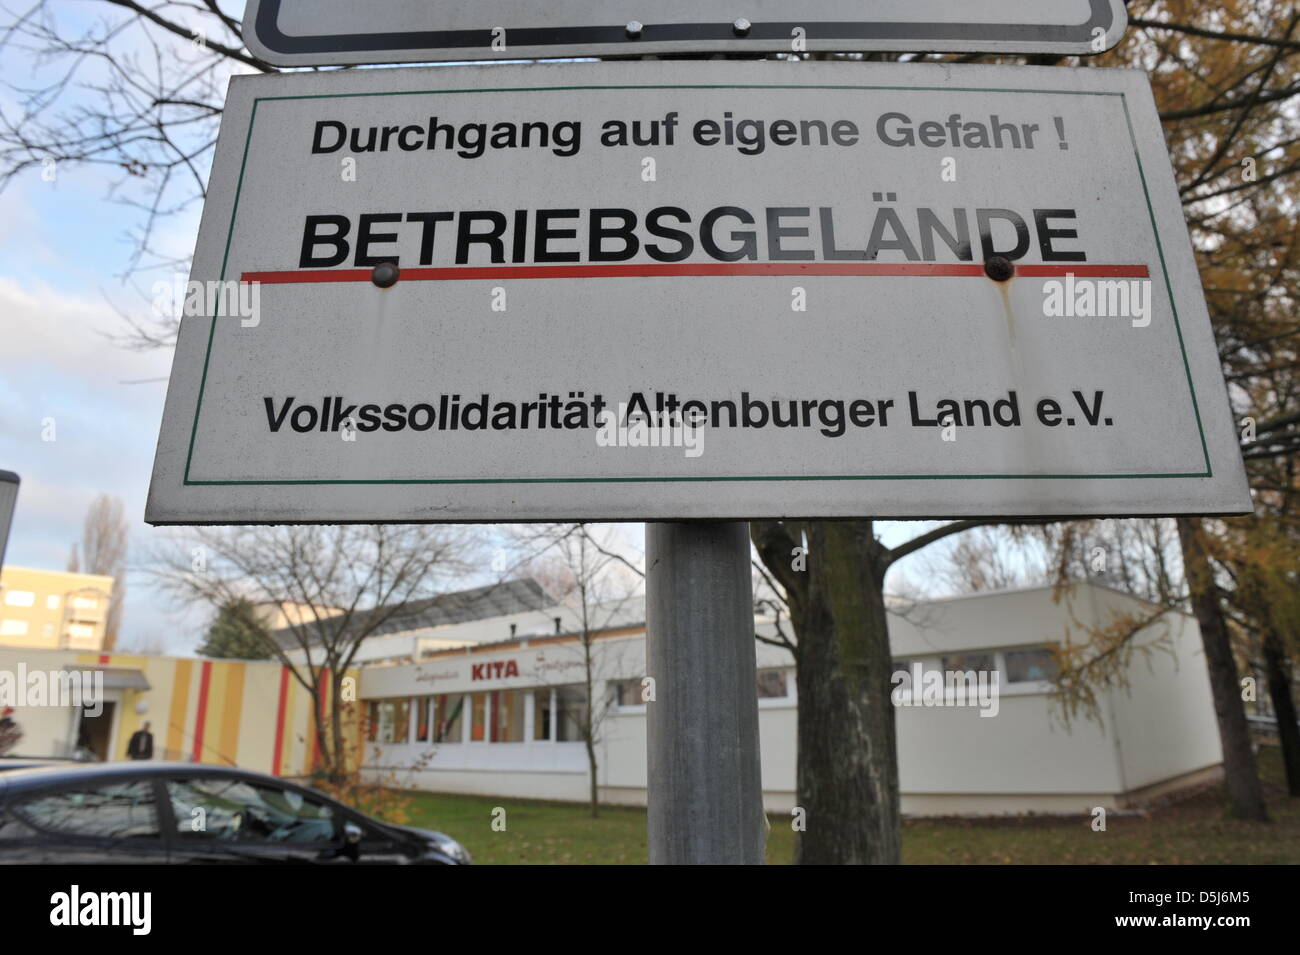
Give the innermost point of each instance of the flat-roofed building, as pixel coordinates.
(53, 609)
(505, 717)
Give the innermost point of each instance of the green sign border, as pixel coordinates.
(802, 477)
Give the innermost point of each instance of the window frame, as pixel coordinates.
(791, 693)
(617, 707)
(1021, 685)
(931, 661)
(496, 699)
(995, 658)
(559, 712)
(550, 710)
(439, 719)
(422, 707)
(29, 595)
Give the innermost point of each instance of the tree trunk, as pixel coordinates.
(591, 766)
(1278, 671)
(848, 757)
(589, 730)
(1241, 776)
(318, 727)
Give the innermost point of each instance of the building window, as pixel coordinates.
(20, 598)
(423, 717)
(13, 628)
(508, 716)
(448, 723)
(979, 662)
(401, 720)
(571, 704)
(52, 602)
(81, 631)
(372, 721)
(543, 710)
(1035, 665)
(478, 717)
(626, 693)
(773, 684)
(85, 603)
(389, 721)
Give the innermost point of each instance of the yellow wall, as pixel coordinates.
(53, 609)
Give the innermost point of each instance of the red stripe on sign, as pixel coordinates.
(201, 717)
(497, 273)
(279, 721)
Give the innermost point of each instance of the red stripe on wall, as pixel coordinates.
(103, 659)
(201, 717)
(279, 721)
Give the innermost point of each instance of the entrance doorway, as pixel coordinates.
(95, 733)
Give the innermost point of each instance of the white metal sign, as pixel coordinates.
(692, 290)
(319, 32)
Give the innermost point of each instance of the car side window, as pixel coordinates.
(235, 810)
(116, 811)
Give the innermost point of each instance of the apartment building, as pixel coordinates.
(53, 609)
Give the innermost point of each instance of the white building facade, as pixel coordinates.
(505, 718)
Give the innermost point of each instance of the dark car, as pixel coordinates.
(147, 813)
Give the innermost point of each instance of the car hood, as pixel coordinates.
(427, 835)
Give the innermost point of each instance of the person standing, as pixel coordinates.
(141, 744)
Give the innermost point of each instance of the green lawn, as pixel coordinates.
(1191, 830)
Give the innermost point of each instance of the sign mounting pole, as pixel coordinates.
(8, 498)
(703, 787)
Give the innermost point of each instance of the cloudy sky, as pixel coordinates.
(62, 377)
(65, 244)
